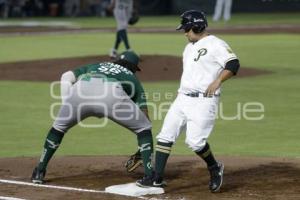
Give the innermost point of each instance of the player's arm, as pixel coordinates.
(142, 103)
(231, 69)
(111, 6)
(139, 98)
(145, 111)
(66, 81)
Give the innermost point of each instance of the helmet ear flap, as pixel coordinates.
(197, 29)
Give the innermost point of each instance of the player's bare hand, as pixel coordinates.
(210, 91)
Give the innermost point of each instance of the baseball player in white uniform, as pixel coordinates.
(225, 6)
(122, 10)
(207, 62)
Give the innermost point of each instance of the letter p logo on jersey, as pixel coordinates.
(201, 52)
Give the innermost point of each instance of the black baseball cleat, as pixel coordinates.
(151, 181)
(38, 176)
(159, 182)
(216, 177)
(146, 181)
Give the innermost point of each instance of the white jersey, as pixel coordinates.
(123, 6)
(203, 61)
(122, 12)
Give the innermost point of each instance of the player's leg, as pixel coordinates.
(218, 10)
(131, 117)
(145, 144)
(121, 34)
(227, 10)
(196, 138)
(199, 127)
(66, 119)
(173, 124)
(122, 27)
(214, 167)
(114, 51)
(68, 116)
(124, 37)
(127, 114)
(142, 128)
(124, 34)
(51, 144)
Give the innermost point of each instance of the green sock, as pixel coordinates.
(145, 143)
(123, 34)
(207, 155)
(52, 142)
(118, 40)
(162, 153)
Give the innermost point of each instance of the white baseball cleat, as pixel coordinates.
(113, 53)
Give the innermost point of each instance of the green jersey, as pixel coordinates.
(114, 72)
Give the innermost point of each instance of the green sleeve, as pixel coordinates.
(79, 71)
(139, 95)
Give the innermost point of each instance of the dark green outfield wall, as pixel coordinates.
(153, 7)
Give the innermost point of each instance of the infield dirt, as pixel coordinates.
(154, 68)
(187, 177)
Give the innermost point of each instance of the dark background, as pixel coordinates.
(29, 8)
(238, 6)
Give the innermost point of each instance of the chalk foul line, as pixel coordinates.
(50, 186)
(59, 187)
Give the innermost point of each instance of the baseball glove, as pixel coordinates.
(134, 162)
(134, 18)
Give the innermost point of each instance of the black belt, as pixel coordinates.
(198, 94)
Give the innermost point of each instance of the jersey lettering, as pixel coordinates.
(113, 69)
(201, 52)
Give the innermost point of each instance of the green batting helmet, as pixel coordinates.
(132, 58)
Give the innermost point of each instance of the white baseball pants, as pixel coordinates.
(196, 114)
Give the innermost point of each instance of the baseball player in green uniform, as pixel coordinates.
(108, 89)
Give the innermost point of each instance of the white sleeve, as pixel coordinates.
(223, 53)
(66, 82)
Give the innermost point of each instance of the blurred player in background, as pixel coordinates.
(225, 6)
(122, 10)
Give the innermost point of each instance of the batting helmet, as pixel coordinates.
(193, 19)
(130, 60)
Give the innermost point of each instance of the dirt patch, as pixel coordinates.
(245, 178)
(154, 68)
